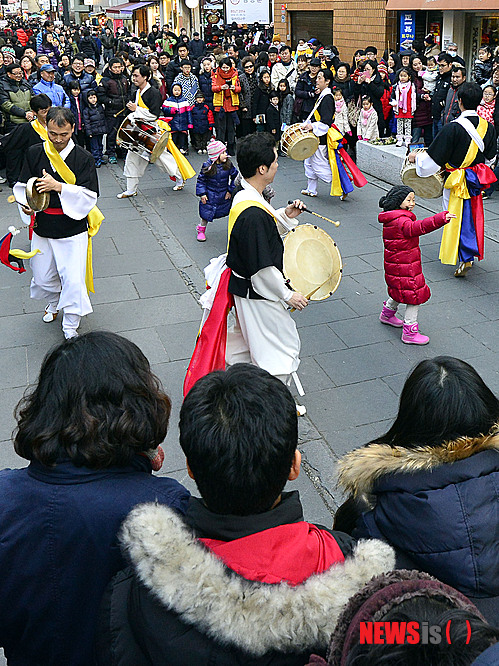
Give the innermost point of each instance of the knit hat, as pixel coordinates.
(315, 62)
(393, 200)
(8, 49)
(383, 594)
(89, 61)
(382, 68)
(215, 149)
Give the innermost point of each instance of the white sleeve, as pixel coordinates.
(285, 223)
(142, 114)
(425, 166)
(77, 201)
(319, 128)
(19, 192)
(269, 283)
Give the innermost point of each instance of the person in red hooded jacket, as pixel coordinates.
(402, 260)
(226, 88)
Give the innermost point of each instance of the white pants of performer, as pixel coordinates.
(317, 167)
(265, 335)
(59, 277)
(135, 168)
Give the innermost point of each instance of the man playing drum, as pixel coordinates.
(462, 147)
(330, 159)
(147, 108)
(264, 333)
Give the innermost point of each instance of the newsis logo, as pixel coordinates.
(414, 633)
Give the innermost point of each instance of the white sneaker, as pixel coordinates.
(71, 333)
(2, 180)
(177, 188)
(301, 410)
(126, 195)
(49, 317)
(200, 152)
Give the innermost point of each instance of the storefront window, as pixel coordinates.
(490, 32)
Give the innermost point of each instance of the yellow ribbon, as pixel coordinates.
(21, 254)
(40, 129)
(186, 171)
(94, 217)
(456, 183)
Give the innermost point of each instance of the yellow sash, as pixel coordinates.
(40, 129)
(456, 183)
(184, 167)
(236, 210)
(94, 218)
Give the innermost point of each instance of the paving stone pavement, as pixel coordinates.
(148, 275)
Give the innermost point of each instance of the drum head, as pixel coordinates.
(37, 201)
(430, 187)
(303, 147)
(159, 147)
(311, 260)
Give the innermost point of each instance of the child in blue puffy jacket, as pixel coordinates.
(177, 111)
(214, 186)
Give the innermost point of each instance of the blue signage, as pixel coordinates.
(407, 26)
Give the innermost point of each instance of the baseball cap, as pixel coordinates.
(47, 68)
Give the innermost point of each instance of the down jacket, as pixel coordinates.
(437, 506)
(215, 188)
(402, 259)
(94, 119)
(114, 93)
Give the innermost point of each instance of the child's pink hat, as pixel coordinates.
(215, 149)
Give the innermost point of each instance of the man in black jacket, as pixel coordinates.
(197, 47)
(244, 578)
(173, 67)
(114, 93)
(451, 109)
(440, 92)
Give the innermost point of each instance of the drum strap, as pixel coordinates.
(236, 210)
(94, 218)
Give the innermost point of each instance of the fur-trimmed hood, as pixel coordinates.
(255, 617)
(361, 468)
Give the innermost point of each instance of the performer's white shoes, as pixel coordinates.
(343, 197)
(177, 188)
(126, 195)
(49, 317)
(308, 193)
(71, 333)
(301, 410)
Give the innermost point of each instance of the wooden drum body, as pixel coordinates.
(430, 187)
(298, 143)
(312, 262)
(142, 136)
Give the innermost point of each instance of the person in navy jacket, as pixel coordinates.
(429, 485)
(91, 430)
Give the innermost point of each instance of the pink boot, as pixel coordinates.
(387, 316)
(201, 233)
(412, 336)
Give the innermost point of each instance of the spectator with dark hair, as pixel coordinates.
(114, 93)
(249, 85)
(343, 81)
(197, 47)
(15, 96)
(49, 48)
(437, 625)
(108, 44)
(88, 47)
(432, 480)
(370, 84)
(90, 429)
(243, 597)
(77, 73)
(440, 91)
(173, 67)
(305, 88)
(451, 108)
(226, 88)
(483, 65)
(285, 69)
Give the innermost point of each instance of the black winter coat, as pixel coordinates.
(205, 87)
(94, 118)
(88, 46)
(439, 95)
(305, 88)
(114, 93)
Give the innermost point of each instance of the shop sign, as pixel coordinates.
(247, 11)
(407, 26)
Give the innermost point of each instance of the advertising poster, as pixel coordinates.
(247, 11)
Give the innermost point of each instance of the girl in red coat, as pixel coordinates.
(402, 260)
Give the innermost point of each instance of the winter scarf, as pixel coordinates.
(486, 111)
(364, 115)
(402, 91)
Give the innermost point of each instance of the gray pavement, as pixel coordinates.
(148, 274)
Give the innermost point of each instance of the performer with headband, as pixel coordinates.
(264, 333)
(16, 143)
(147, 107)
(462, 147)
(62, 270)
(330, 159)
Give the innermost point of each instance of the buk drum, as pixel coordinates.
(312, 262)
(142, 136)
(430, 187)
(298, 143)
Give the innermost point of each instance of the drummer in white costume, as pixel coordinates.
(264, 334)
(146, 107)
(318, 167)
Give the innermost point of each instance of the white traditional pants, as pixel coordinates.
(266, 336)
(59, 276)
(317, 167)
(136, 165)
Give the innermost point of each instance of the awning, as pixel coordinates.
(128, 7)
(439, 5)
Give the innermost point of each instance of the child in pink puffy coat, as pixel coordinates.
(402, 260)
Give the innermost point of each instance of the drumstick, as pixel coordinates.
(308, 296)
(307, 210)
